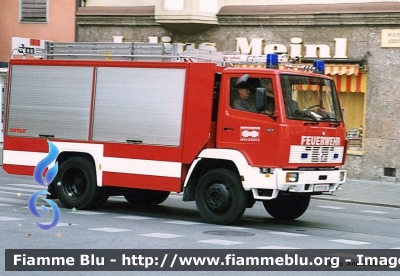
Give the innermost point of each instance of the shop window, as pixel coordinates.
(351, 83)
(33, 11)
(353, 104)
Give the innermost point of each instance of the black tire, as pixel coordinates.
(220, 198)
(287, 207)
(76, 185)
(145, 197)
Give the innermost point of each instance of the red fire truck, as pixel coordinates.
(145, 128)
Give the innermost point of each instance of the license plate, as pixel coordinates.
(321, 188)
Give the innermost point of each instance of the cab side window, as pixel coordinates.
(241, 97)
(243, 94)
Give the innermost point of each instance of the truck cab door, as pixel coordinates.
(244, 128)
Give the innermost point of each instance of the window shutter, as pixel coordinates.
(33, 10)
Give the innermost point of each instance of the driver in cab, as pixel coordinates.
(243, 101)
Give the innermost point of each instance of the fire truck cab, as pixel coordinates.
(223, 136)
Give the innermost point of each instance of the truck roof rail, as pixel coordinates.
(149, 52)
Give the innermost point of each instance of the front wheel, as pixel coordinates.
(287, 207)
(76, 185)
(220, 197)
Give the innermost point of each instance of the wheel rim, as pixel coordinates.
(218, 198)
(74, 183)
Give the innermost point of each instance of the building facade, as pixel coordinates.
(36, 20)
(25, 24)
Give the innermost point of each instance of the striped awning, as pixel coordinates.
(351, 83)
(348, 78)
(342, 69)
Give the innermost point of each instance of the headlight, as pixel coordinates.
(292, 177)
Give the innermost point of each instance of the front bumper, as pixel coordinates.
(296, 181)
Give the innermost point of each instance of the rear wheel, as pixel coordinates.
(76, 185)
(220, 197)
(145, 197)
(287, 207)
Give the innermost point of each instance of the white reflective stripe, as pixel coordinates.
(141, 166)
(28, 158)
(108, 164)
(23, 158)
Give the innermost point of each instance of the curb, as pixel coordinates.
(357, 202)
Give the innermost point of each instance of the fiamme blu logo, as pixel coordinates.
(44, 181)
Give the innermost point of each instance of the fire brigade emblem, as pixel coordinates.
(250, 134)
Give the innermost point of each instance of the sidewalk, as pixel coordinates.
(367, 192)
(353, 191)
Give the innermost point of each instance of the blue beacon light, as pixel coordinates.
(319, 66)
(272, 61)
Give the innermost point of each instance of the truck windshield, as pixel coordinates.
(310, 98)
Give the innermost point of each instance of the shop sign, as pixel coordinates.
(255, 47)
(22, 45)
(390, 38)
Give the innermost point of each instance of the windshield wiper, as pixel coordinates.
(307, 113)
(336, 123)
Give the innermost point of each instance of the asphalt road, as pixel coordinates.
(177, 225)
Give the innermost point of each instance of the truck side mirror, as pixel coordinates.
(261, 99)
